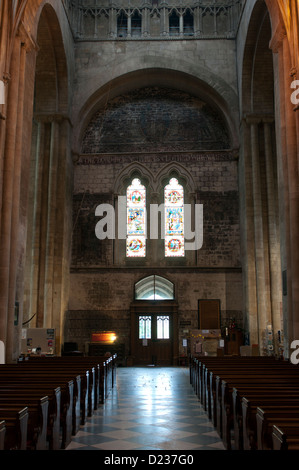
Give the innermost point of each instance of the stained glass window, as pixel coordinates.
(136, 219)
(174, 219)
(163, 327)
(145, 324)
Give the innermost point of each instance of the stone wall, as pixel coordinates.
(154, 131)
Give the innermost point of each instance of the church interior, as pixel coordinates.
(149, 202)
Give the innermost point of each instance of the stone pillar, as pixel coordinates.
(248, 241)
(293, 184)
(287, 143)
(196, 22)
(112, 23)
(145, 21)
(129, 27)
(48, 242)
(274, 239)
(34, 229)
(8, 188)
(181, 25)
(164, 21)
(15, 209)
(260, 235)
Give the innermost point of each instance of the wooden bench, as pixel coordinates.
(249, 409)
(231, 395)
(237, 414)
(37, 420)
(267, 417)
(2, 434)
(285, 437)
(54, 400)
(82, 384)
(220, 382)
(16, 422)
(21, 380)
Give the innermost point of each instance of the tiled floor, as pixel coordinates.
(150, 408)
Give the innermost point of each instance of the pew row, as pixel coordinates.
(57, 395)
(285, 437)
(241, 396)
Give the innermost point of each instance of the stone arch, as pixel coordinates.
(179, 171)
(258, 80)
(200, 84)
(134, 169)
(154, 283)
(51, 75)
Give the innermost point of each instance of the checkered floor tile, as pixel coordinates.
(150, 408)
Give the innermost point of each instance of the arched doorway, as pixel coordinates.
(154, 331)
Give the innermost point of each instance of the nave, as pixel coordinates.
(150, 408)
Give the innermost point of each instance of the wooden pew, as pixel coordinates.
(249, 408)
(81, 377)
(54, 399)
(66, 375)
(285, 437)
(11, 376)
(103, 373)
(16, 422)
(267, 417)
(218, 413)
(232, 415)
(2, 434)
(255, 373)
(37, 419)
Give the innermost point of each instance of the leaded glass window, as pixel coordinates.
(145, 327)
(163, 327)
(136, 219)
(174, 219)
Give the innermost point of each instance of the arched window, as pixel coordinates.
(122, 25)
(188, 24)
(154, 288)
(174, 24)
(136, 24)
(136, 220)
(174, 219)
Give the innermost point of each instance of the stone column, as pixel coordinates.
(8, 188)
(50, 233)
(274, 239)
(62, 226)
(181, 24)
(145, 20)
(129, 27)
(197, 30)
(15, 209)
(261, 242)
(112, 23)
(293, 184)
(164, 21)
(33, 230)
(248, 241)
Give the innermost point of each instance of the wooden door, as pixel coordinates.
(154, 337)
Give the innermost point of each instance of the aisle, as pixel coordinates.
(150, 408)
